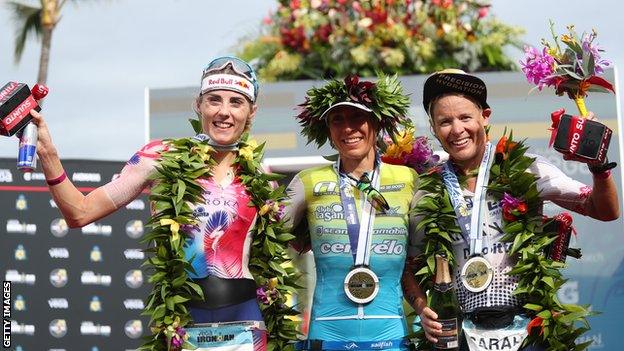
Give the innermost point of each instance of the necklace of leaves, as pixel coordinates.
(553, 324)
(177, 186)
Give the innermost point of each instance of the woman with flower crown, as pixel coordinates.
(484, 209)
(353, 216)
(204, 228)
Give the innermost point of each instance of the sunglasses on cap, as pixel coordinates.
(239, 66)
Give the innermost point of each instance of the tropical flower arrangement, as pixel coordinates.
(409, 150)
(314, 39)
(184, 162)
(553, 324)
(571, 65)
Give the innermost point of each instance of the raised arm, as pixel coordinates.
(602, 203)
(599, 201)
(77, 209)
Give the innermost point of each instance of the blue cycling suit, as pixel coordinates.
(315, 198)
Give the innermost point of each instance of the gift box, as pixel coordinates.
(16, 101)
(581, 139)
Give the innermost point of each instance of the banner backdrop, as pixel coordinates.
(71, 289)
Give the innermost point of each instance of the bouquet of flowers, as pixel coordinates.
(409, 150)
(570, 64)
(314, 39)
(573, 66)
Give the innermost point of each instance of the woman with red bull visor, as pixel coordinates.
(218, 246)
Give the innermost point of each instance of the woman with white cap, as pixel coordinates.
(201, 191)
(353, 215)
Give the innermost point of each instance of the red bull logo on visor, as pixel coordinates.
(228, 82)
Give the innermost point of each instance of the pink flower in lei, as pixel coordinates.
(421, 157)
(178, 338)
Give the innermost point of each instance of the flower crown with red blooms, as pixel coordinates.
(384, 100)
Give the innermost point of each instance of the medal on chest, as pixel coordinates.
(476, 273)
(361, 284)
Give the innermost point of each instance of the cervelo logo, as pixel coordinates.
(386, 247)
(6, 176)
(8, 89)
(134, 254)
(86, 177)
(576, 136)
(133, 304)
(90, 328)
(351, 346)
(58, 252)
(19, 111)
(58, 303)
(90, 278)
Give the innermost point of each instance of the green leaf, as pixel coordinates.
(181, 190)
(533, 307)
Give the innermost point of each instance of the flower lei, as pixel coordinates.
(553, 324)
(385, 98)
(186, 161)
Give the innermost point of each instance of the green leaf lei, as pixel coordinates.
(553, 324)
(186, 161)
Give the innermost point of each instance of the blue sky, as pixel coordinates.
(105, 53)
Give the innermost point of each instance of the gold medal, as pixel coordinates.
(361, 285)
(476, 274)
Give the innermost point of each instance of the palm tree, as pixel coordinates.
(40, 22)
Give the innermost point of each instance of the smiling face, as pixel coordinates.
(225, 115)
(353, 133)
(459, 123)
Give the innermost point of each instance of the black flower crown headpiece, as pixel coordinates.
(384, 99)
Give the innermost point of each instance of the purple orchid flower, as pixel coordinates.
(538, 67)
(588, 46)
(510, 201)
(177, 342)
(421, 157)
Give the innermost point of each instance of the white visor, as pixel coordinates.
(346, 103)
(228, 82)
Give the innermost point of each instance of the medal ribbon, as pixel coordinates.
(360, 236)
(469, 222)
